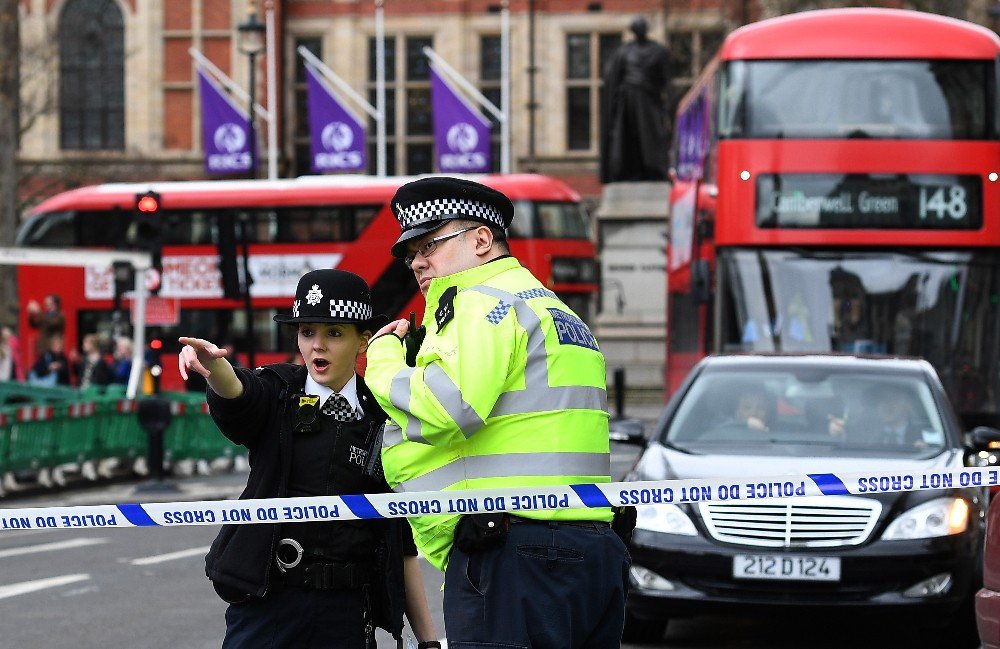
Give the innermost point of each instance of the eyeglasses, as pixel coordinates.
(428, 248)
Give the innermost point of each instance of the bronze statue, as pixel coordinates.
(634, 141)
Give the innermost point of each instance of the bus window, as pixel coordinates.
(102, 229)
(550, 221)
(522, 226)
(857, 99)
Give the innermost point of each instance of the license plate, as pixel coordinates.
(786, 566)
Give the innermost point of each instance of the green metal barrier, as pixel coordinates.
(6, 417)
(76, 433)
(33, 437)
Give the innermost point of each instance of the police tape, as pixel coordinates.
(514, 500)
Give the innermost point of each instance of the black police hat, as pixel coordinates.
(424, 205)
(332, 295)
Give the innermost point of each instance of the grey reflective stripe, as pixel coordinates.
(509, 465)
(450, 397)
(392, 435)
(538, 395)
(399, 396)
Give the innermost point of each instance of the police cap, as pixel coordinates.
(424, 205)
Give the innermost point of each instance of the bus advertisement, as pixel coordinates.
(293, 226)
(836, 190)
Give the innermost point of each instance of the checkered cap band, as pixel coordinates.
(350, 310)
(440, 208)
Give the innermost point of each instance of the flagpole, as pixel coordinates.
(335, 79)
(380, 139)
(453, 74)
(229, 84)
(272, 95)
(505, 87)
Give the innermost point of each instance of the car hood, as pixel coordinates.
(662, 463)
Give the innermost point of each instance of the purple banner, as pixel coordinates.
(338, 138)
(693, 137)
(225, 131)
(461, 133)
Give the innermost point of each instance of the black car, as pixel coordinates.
(916, 553)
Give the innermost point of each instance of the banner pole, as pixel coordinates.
(505, 142)
(380, 137)
(272, 95)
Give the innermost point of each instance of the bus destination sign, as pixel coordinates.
(878, 201)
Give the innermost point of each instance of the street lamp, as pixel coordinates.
(250, 41)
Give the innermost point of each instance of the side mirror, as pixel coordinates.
(982, 438)
(626, 431)
(701, 281)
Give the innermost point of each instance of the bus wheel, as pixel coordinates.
(642, 630)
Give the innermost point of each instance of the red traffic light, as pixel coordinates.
(148, 202)
(156, 343)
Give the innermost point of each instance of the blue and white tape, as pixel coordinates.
(580, 496)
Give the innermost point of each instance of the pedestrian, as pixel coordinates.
(12, 342)
(121, 366)
(506, 389)
(91, 369)
(8, 357)
(48, 321)
(52, 366)
(311, 430)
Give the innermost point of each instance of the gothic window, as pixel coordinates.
(91, 76)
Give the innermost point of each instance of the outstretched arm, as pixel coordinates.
(205, 358)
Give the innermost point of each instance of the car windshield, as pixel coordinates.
(808, 412)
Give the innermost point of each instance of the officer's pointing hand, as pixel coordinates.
(195, 353)
(397, 328)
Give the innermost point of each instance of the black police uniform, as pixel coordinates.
(347, 577)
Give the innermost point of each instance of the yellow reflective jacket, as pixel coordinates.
(510, 392)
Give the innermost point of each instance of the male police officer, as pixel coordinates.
(507, 389)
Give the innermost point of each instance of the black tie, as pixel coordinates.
(338, 407)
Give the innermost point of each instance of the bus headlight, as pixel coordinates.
(568, 270)
(939, 517)
(667, 519)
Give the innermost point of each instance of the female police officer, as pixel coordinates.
(311, 430)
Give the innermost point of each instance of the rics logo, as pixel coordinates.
(230, 138)
(337, 136)
(462, 137)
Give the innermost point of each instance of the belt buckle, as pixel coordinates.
(283, 565)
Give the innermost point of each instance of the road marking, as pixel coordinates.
(50, 547)
(39, 584)
(160, 558)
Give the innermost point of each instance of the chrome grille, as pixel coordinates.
(808, 522)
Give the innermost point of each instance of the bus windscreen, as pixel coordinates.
(844, 99)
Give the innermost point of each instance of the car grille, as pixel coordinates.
(808, 522)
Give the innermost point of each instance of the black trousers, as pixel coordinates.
(551, 586)
(298, 618)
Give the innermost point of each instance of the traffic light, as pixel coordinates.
(228, 267)
(124, 280)
(149, 229)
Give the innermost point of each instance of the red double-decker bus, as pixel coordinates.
(836, 190)
(293, 226)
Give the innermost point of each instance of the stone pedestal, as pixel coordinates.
(630, 324)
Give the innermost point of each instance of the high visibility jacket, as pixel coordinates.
(510, 392)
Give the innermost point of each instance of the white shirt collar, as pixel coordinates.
(349, 391)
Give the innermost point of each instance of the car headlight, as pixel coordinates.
(939, 517)
(668, 519)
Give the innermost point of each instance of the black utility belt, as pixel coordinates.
(514, 520)
(297, 567)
